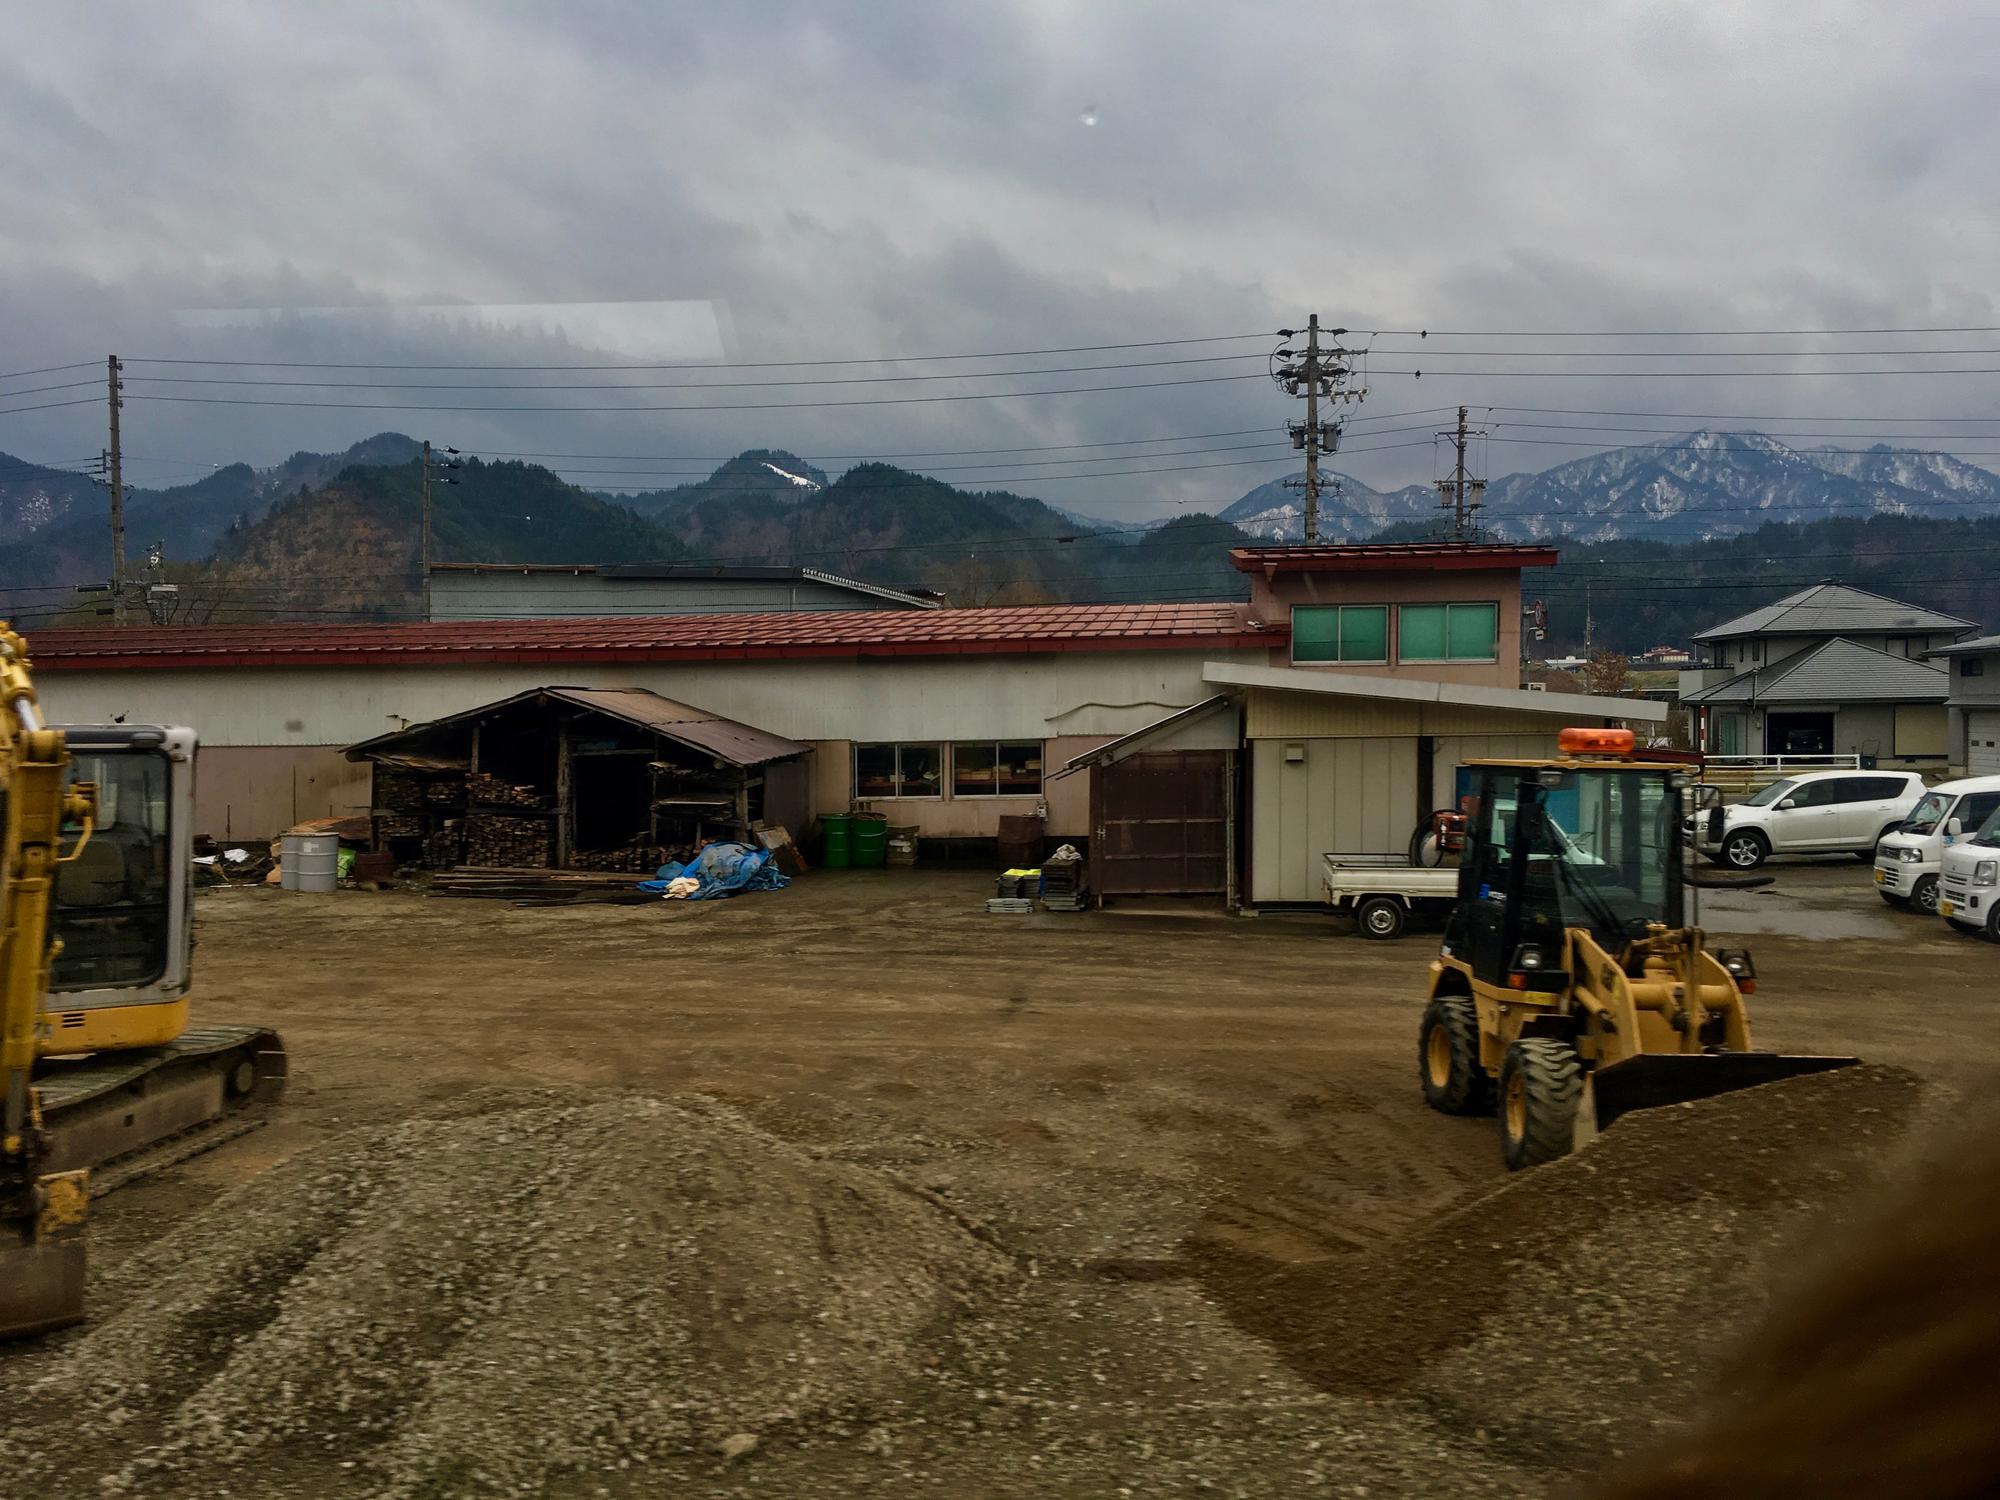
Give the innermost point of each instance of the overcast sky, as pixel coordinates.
(901, 177)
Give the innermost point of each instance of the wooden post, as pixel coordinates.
(564, 800)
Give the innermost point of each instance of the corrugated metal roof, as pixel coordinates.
(1381, 557)
(729, 739)
(1835, 671)
(1832, 609)
(831, 633)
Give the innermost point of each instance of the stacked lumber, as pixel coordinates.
(491, 791)
(444, 848)
(548, 886)
(634, 859)
(396, 825)
(398, 791)
(495, 839)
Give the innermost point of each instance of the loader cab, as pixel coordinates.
(1559, 844)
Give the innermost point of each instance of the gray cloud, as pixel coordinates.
(906, 177)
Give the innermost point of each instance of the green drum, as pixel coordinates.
(836, 849)
(871, 842)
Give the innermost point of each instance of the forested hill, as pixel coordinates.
(1638, 594)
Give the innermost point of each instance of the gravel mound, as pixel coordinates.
(473, 1303)
(1567, 1311)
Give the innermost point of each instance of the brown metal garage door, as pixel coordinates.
(1162, 824)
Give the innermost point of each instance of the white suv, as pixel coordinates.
(1819, 812)
(1970, 885)
(1907, 861)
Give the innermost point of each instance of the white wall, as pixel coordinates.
(1354, 795)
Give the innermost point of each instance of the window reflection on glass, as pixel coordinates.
(920, 770)
(972, 770)
(111, 901)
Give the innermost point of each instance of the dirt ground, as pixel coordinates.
(1097, 1091)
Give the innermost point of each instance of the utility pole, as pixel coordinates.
(1461, 494)
(1321, 374)
(115, 460)
(424, 546)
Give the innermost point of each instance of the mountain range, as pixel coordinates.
(336, 535)
(1690, 487)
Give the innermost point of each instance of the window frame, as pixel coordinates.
(1972, 666)
(1340, 658)
(1448, 605)
(995, 746)
(895, 749)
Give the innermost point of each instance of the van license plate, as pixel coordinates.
(1945, 908)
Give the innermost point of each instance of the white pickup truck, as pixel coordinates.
(1384, 890)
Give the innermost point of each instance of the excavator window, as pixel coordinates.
(1604, 841)
(111, 902)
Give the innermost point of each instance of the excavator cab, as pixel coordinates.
(1570, 987)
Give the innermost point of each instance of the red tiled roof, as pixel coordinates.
(1387, 557)
(832, 633)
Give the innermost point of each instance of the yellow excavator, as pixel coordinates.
(1571, 988)
(100, 1069)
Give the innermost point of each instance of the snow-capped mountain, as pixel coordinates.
(1681, 488)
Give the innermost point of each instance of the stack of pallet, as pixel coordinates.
(491, 791)
(1014, 892)
(495, 839)
(1062, 883)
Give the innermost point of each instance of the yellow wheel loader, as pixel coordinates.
(1570, 988)
(98, 1063)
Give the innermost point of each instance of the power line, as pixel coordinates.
(1678, 353)
(1677, 333)
(36, 390)
(8, 411)
(87, 364)
(1079, 390)
(768, 364)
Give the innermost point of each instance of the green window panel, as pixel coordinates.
(1449, 632)
(1423, 632)
(1340, 632)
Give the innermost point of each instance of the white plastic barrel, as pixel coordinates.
(309, 861)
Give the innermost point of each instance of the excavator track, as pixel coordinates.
(124, 1114)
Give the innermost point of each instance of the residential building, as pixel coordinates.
(526, 591)
(1973, 732)
(1829, 670)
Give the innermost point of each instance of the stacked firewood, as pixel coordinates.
(492, 839)
(491, 791)
(444, 848)
(396, 825)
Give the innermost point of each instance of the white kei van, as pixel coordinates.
(1969, 887)
(1908, 861)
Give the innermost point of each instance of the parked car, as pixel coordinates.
(1908, 861)
(1969, 887)
(1819, 812)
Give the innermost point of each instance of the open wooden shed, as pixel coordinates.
(578, 778)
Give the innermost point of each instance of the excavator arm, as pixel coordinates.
(41, 1212)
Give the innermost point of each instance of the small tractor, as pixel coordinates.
(1570, 988)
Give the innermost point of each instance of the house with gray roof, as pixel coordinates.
(1973, 707)
(1829, 670)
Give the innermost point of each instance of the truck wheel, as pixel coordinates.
(1993, 923)
(1381, 917)
(1541, 1081)
(1924, 895)
(1745, 849)
(1448, 1058)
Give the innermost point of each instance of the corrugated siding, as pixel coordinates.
(1346, 795)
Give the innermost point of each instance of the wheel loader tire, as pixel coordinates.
(1381, 917)
(1448, 1058)
(1541, 1082)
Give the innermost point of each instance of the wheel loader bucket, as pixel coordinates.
(41, 1260)
(1656, 1078)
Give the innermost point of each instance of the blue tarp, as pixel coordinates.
(723, 870)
